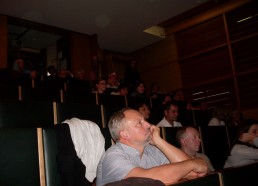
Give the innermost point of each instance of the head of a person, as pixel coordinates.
(133, 64)
(171, 111)
(166, 99)
(19, 65)
(235, 115)
(128, 126)
(123, 89)
(220, 112)
(112, 78)
(178, 95)
(80, 75)
(154, 88)
(140, 88)
(51, 70)
(250, 126)
(101, 85)
(189, 140)
(143, 108)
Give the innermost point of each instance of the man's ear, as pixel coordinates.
(182, 141)
(124, 134)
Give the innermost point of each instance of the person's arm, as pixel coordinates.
(173, 153)
(173, 172)
(176, 155)
(246, 137)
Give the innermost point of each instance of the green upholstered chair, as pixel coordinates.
(26, 114)
(50, 153)
(19, 160)
(215, 144)
(82, 111)
(169, 134)
(239, 176)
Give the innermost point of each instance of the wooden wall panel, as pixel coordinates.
(245, 54)
(3, 41)
(201, 37)
(158, 63)
(80, 53)
(208, 66)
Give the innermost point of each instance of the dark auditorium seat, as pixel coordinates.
(19, 159)
(215, 144)
(26, 114)
(169, 134)
(239, 176)
(50, 155)
(47, 90)
(82, 111)
(79, 91)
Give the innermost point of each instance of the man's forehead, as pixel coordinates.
(132, 115)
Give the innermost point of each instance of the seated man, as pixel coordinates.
(189, 140)
(170, 115)
(141, 152)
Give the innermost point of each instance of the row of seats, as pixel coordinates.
(45, 114)
(29, 158)
(216, 141)
(20, 93)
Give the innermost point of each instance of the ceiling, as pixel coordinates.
(119, 24)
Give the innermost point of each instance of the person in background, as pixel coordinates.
(100, 86)
(19, 66)
(220, 114)
(51, 71)
(139, 90)
(141, 152)
(131, 76)
(156, 91)
(170, 115)
(112, 81)
(80, 75)
(189, 140)
(121, 91)
(143, 108)
(235, 118)
(245, 149)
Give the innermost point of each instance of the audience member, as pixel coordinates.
(155, 91)
(139, 90)
(112, 81)
(183, 105)
(100, 86)
(19, 66)
(141, 152)
(189, 140)
(65, 74)
(80, 75)
(235, 118)
(143, 108)
(94, 68)
(245, 149)
(219, 114)
(121, 91)
(51, 71)
(170, 116)
(131, 75)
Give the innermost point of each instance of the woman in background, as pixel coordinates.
(245, 150)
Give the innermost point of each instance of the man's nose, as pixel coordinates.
(147, 124)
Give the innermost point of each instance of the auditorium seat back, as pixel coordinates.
(19, 157)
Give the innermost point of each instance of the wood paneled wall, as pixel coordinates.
(157, 63)
(3, 41)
